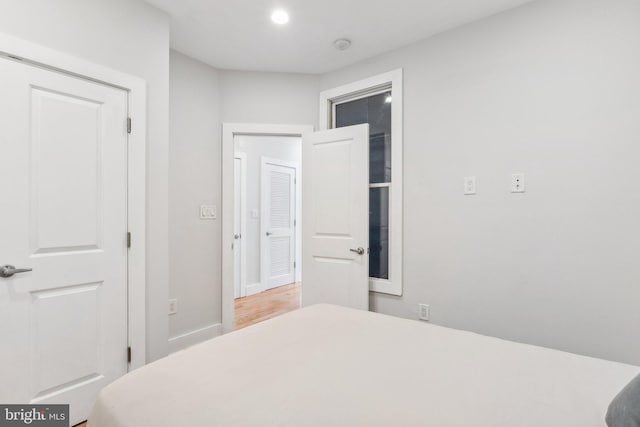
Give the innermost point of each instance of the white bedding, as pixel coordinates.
(332, 366)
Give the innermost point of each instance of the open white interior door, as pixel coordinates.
(335, 217)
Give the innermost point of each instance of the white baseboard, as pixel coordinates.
(183, 341)
(254, 288)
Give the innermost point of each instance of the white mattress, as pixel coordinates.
(332, 366)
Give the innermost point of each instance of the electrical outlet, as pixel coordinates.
(469, 185)
(173, 306)
(517, 183)
(423, 311)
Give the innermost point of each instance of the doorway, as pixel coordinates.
(267, 239)
(335, 215)
(270, 143)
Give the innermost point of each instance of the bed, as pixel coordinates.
(333, 366)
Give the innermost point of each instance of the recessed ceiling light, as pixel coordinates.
(280, 17)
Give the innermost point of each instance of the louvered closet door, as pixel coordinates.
(278, 223)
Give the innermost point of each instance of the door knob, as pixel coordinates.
(269, 233)
(237, 236)
(359, 251)
(9, 270)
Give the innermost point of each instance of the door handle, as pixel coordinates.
(359, 251)
(268, 233)
(7, 271)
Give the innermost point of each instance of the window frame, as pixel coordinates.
(386, 82)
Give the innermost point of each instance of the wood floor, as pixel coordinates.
(268, 304)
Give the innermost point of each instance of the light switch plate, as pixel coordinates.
(255, 214)
(469, 185)
(208, 212)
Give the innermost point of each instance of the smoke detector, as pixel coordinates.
(342, 44)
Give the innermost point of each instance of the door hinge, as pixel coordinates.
(128, 124)
(295, 222)
(128, 239)
(294, 264)
(129, 354)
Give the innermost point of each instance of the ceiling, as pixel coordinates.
(239, 35)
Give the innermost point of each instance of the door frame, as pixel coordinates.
(36, 55)
(264, 279)
(229, 132)
(243, 222)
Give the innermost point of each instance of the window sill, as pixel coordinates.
(385, 287)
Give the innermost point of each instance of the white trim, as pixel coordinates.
(263, 217)
(365, 93)
(243, 222)
(229, 131)
(254, 288)
(52, 59)
(357, 90)
(380, 185)
(279, 162)
(183, 341)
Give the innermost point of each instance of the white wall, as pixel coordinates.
(288, 149)
(279, 98)
(201, 99)
(194, 180)
(274, 98)
(550, 89)
(131, 37)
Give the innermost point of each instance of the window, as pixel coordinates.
(378, 102)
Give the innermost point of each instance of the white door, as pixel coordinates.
(278, 223)
(238, 224)
(335, 217)
(63, 214)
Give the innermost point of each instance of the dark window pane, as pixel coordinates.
(352, 113)
(379, 232)
(375, 110)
